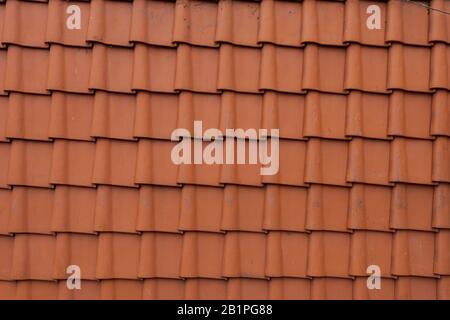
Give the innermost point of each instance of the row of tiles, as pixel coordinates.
(229, 67)
(234, 254)
(234, 288)
(209, 23)
(157, 115)
(149, 161)
(232, 208)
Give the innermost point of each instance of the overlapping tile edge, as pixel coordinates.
(86, 113)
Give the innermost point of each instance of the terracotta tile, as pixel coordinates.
(355, 23)
(57, 32)
(331, 289)
(440, 116)
(326, 162)
(31, 210)
(325, 115)
(206, 108)
(28, 116)
(115, 162)
(160, 255)
(239, 68)
(120, 289)
(441, 209)
(195, 22)
(411, 207)
(361, 292)
(443, 288)
(440, 169)
(202, 255)
(281, 69)
(163, 289)
(411, 161)
(156, 114)
(7, 290)
(415, 288)
(69, 68)
(4, 106)
(72, 163)
(327, 208)
(440, 72)
(152, 22)
(328, 254)
(118, 256)
(247, 289)
(409, 114)
(288, 253)
(154, 68)
(243, 16)
(7, 249)
(159, 208)
(2, 17)
(207, 289)
(154, 164)
(284, 208)
(202, 174)
(111, 68)
(201, 208)
(36, 290)
(368, 161)
(366, 68)
(3, 64)
(25, 23)
(244, 255)
(367, 115)
(403, 70)
(323, 22)
(73, 209)
(289, 289)
(116, 209)
(26, 70)
(5, 151)
(412, 253)
(323, 68)
(369, 207)
(406, 23)
(243, 174)
(237, 110)
(113, 115)
(243, 208)
(71, 116)
(90, 290)
(30, 171)
(5, 210)
(292, 158)
(109, 22)
(439, 25)
(33, 257)
(370, 248)
(442, 254)
(75, 249)
(280, 22)
(278, 111)
(196, 68)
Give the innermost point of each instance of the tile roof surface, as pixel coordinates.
(86, 178)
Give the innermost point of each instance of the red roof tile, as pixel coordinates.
(152, 22)
(25, 23)
(86, 177)
(280, 22)
(28, 116)
(109, 22)
(57, 15)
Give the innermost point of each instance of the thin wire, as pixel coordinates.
(417, 3)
